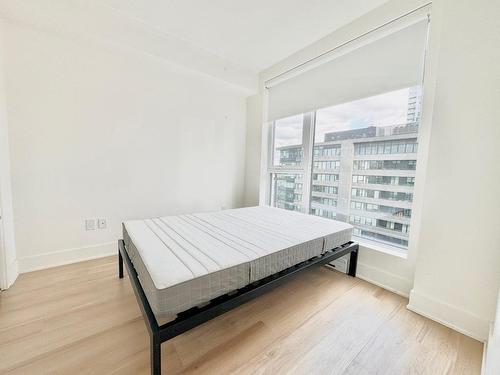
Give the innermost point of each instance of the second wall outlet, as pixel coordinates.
(101, 223)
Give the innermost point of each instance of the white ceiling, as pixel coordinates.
(254, 34)
(230, 40)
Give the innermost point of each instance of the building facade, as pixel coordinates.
(362, 176)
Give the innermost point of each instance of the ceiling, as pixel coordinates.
(230, 40)
(253, 33)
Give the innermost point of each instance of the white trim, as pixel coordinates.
(486, 347)
(382, 248)
(386, 280)
(265, 181)
(4, 283)
(449, 315)
(491, 354)
(67, 256)
(11, 274)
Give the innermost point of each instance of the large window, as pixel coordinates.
(363, 159)
(344, 132)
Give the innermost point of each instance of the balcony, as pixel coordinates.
(384, 202)
(381, 230)
(322, 194)
(381, 215)
(325, 183)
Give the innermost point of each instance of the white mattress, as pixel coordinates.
(184, 261)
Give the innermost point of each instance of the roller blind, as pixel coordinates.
(389, 63)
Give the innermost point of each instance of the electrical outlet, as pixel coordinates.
(90, 224)
(101, 223)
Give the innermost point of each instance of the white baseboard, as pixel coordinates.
(451, 316)
(384, 279)
(67, 256)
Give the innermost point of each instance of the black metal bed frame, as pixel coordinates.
(199, 315)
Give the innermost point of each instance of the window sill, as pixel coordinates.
(386, 249)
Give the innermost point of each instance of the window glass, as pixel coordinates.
(365, 151)
(287, 191)
(287, 148)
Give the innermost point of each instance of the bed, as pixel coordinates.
(187, 269)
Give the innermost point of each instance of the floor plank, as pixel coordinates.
(81, 318)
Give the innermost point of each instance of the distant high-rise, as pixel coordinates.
(414, 104)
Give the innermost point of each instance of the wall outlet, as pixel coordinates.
(90, 224)
(101, 223)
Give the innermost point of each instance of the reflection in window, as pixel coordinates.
(287, 148)
(371, 145)
(287, 191)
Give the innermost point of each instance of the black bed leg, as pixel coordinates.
(353, 263)
(155, 349)
(120, 265)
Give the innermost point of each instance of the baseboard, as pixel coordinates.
(451, 316)
(67, 256)
(384, 279)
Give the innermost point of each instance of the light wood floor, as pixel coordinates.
(82, 319)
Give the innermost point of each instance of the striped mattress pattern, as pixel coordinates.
(186, 260)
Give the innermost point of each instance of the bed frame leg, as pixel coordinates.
(353, 263)
(155, 349)
(120, 265)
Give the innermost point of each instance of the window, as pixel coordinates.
(364, 157)
(346, 130)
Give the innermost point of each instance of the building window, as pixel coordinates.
(365, 165)
(325, 177)
(328, 190)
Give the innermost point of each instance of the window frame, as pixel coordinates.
(426, 110)
(306, 169)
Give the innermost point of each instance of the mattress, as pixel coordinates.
(186, 260)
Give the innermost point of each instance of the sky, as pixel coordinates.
(380, 110)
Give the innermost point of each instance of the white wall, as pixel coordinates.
(458, 263)
(7, 239)
(252, 156)
(113, 133)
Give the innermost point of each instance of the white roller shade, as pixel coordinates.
(393, 62)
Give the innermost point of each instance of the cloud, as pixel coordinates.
(380, 110)
(288, 131)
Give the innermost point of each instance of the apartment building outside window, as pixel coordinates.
(362, 168)
(346, 129)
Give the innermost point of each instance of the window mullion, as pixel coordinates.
(308, 144)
